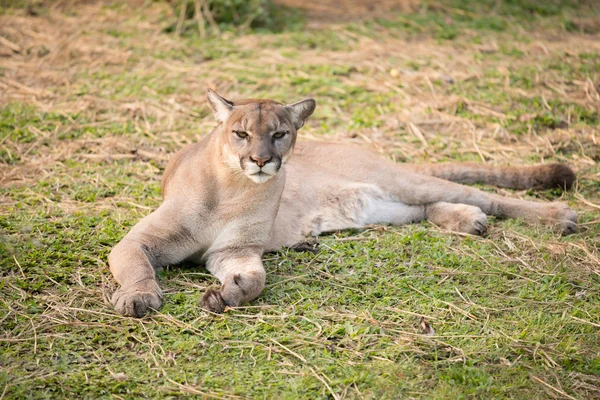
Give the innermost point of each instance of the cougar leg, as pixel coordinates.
(416, 189)
(457, 217)
(156, 241)
(242, 278)
(354, 205)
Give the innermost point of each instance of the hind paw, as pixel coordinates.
(565, 219)
(474, 222)
(459, 218)
(467, 219)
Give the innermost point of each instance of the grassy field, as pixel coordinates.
(96, 96)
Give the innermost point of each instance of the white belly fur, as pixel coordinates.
(359, 205)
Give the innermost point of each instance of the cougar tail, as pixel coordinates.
(547, 176)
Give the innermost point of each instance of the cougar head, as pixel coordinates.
(258, 136)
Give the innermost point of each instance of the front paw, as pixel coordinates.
(213, 301)
(137, 301)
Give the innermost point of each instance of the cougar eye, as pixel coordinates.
(241, 134)
(279, 135)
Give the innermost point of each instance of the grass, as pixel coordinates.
(96, 98)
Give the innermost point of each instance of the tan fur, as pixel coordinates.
(239, 193)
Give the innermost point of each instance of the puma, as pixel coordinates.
(239, 193)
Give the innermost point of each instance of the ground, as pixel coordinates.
(96, 96)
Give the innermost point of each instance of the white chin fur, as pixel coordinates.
(260, 177)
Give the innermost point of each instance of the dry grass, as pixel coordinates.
(96, 97)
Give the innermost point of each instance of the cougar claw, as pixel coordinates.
(213, 301)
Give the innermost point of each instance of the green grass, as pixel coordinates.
(84, 142)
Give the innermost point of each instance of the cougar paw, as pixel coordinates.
(137, 302)
(466, 219)
(474, 223)
(564, 218)
(568, 223)
(213, 301)
(568, 227)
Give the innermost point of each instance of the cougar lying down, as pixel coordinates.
(239, 193)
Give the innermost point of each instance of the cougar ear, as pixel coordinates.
(220, 106)
(301, 110)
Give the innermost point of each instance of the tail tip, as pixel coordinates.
(559, 175)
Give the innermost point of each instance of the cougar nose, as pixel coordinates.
(260, 161)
